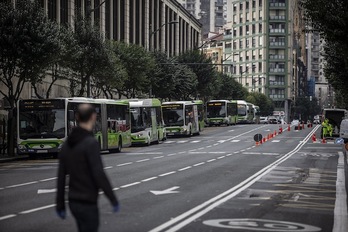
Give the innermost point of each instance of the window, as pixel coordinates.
(240, 18)
(247, 5)
(247, 58)
(234, 32)
(240, 43)
(247, 29)
(241, 6)
(254, 15)
(260, 27)
(247, 17)
(234, 45)
(234, 7)
(260, 41)
(246, 43)
(254, 3)
(260, 3)
(253, 29)
(240, 31)
(260, 66)
(260, 14)
(253, 43)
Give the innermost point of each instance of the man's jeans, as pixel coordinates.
(86, 216)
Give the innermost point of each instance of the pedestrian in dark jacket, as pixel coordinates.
(80, 159)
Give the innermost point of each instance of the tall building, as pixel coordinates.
(258, 43)
(209, 12)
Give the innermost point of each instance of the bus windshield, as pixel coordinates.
(45, 123)
(242, 111)
(141, 119)
(173, 115)
(215, 110)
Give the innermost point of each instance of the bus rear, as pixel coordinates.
(41, 126)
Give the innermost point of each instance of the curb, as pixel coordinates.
(10, 159)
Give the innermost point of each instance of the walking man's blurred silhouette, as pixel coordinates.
(80, 159)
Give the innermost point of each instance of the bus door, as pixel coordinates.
(154, 124)
(103, 125)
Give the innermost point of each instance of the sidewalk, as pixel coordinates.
(6, 158)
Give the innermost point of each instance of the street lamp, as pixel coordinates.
(151, 33)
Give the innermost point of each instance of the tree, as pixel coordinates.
(305, 109)
(331, 21)
(88, 55)
(229, 88)
(138, 64)
(171, 80)
(265, 103)
(202, 66)
(28, 44)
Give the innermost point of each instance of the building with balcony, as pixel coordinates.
(260, 34)
(211, 13)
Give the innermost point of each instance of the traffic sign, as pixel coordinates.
(258, 137)
(339, 141)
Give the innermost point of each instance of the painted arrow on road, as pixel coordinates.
(166, 191)
(41, 191)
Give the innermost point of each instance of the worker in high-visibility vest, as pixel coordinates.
(325, 125)
(329, 128)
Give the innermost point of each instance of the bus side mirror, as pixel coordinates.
(71, 115)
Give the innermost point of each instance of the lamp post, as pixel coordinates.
(151, 33)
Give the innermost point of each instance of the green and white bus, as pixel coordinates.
(245, 112)
(43, 125)
(183, 117)
(147, 121)
(221, 112)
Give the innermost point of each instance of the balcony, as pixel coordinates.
(276, 70)
(276, 57)
(276, 44)
(277, 17)
(277, 31)
(277, 5)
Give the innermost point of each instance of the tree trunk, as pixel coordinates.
(11, 128)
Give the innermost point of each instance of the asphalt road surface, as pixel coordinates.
(218, 181)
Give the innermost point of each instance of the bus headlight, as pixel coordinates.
(21, 147)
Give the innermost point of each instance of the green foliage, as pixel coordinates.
(138, 64)
(229, 88)
(265, 103)
(88, 54)
(171, 80)
(331, 21)
(29, 43)
(306, 109)
(202, 66)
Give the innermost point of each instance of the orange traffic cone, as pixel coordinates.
(275, 133)
(288, 127)
(280, 129)
(323, 140)
(314, 138)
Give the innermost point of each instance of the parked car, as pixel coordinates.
(273, 120)
(344, 130)
(264, 120)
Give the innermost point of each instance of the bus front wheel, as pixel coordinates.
(119, 147)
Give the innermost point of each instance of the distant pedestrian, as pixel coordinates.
(80, 159)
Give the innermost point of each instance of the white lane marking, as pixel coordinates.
(158, 157)
(253, 146)
(200, 210)
(221, 141)
(196, 141)
(198, 152)
(143, 160)
(248, 148)
(173, 154)
(166, 191)
(7, 216)
(242, 150)
(183, 169)
(41, 191)
(128, 185)
(109, 167)
(48, 179)
(269, 153)
(230, 130)
(209, 146)
(169, 141)
(145, 153)
(236, 152)
(168, 173)
(275, 141)
(124, 164)
(199, 164)
(217, 152)
(38, 209)
(115, 189)
(215, 144)
(200, 148)
(252, 153)
(211, 160)
(182, 141)
(340, 212)
(23, 184)
(221, 157)
(182, 152)
(148, 179)
(229, 154)
(235, 141)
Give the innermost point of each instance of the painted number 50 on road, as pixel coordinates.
(260, 225)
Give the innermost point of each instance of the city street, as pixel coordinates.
(218, 181)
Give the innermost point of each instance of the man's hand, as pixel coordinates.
(116, 208)
(61, 214)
